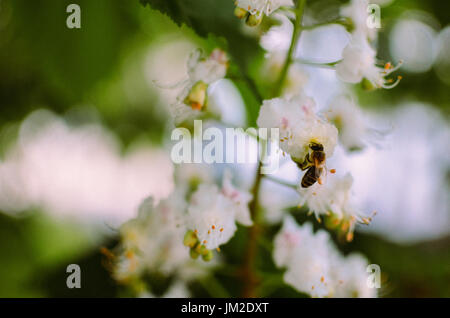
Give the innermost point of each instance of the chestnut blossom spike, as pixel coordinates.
(358, 64)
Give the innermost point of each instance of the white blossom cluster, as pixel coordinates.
(359, 62)
(315, 267)
(201, 216)
(154, 241)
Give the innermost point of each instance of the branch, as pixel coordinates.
(248, 273)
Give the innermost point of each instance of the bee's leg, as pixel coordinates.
(305, 164)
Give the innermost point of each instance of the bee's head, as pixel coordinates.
(316, 146)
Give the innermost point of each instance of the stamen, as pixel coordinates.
(349, 237)
(221, 229)
(205, 241)
(393, 69)
(213, 227)
(332, 170)
(392, 85)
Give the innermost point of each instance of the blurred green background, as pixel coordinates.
(43, 64)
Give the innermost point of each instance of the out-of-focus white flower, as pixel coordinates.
(212, 213)
(359, 63)
(298, 124)
(241, 199)
(314, 265)
(78, 172)
(258, 7)
(154, 240)
(192, 101)
(207, 70)
(334, 199)
(276, 42)
(357, 11)
(415, 160)
(350, 277)
(350, 121)
(306, 255)
(278, 38)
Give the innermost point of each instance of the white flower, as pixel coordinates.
(350, 277)
(207, 70)
(278, 38)
(359, 62)
(79, 172)
(317, 198)
(212, 213)
(357, 11)
(354, 132)
(314, 266)
(298, 125)
(334, 198)
(154, 240)
(192, 101)
(259, 7)
(307, 257)
(241, 199)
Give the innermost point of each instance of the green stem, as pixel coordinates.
(324, 65)
(282, 182)
(289, 57)
(321, 24)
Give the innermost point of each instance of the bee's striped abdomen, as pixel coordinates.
(310, 177)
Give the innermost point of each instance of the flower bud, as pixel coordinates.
(254, 19)
(240, 13)
(193, 253)
(190, 239)
(208, 256)
(197, 95)
(201, 249)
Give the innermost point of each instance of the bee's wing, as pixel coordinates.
(321, 174)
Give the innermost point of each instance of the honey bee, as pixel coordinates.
(314, 164)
